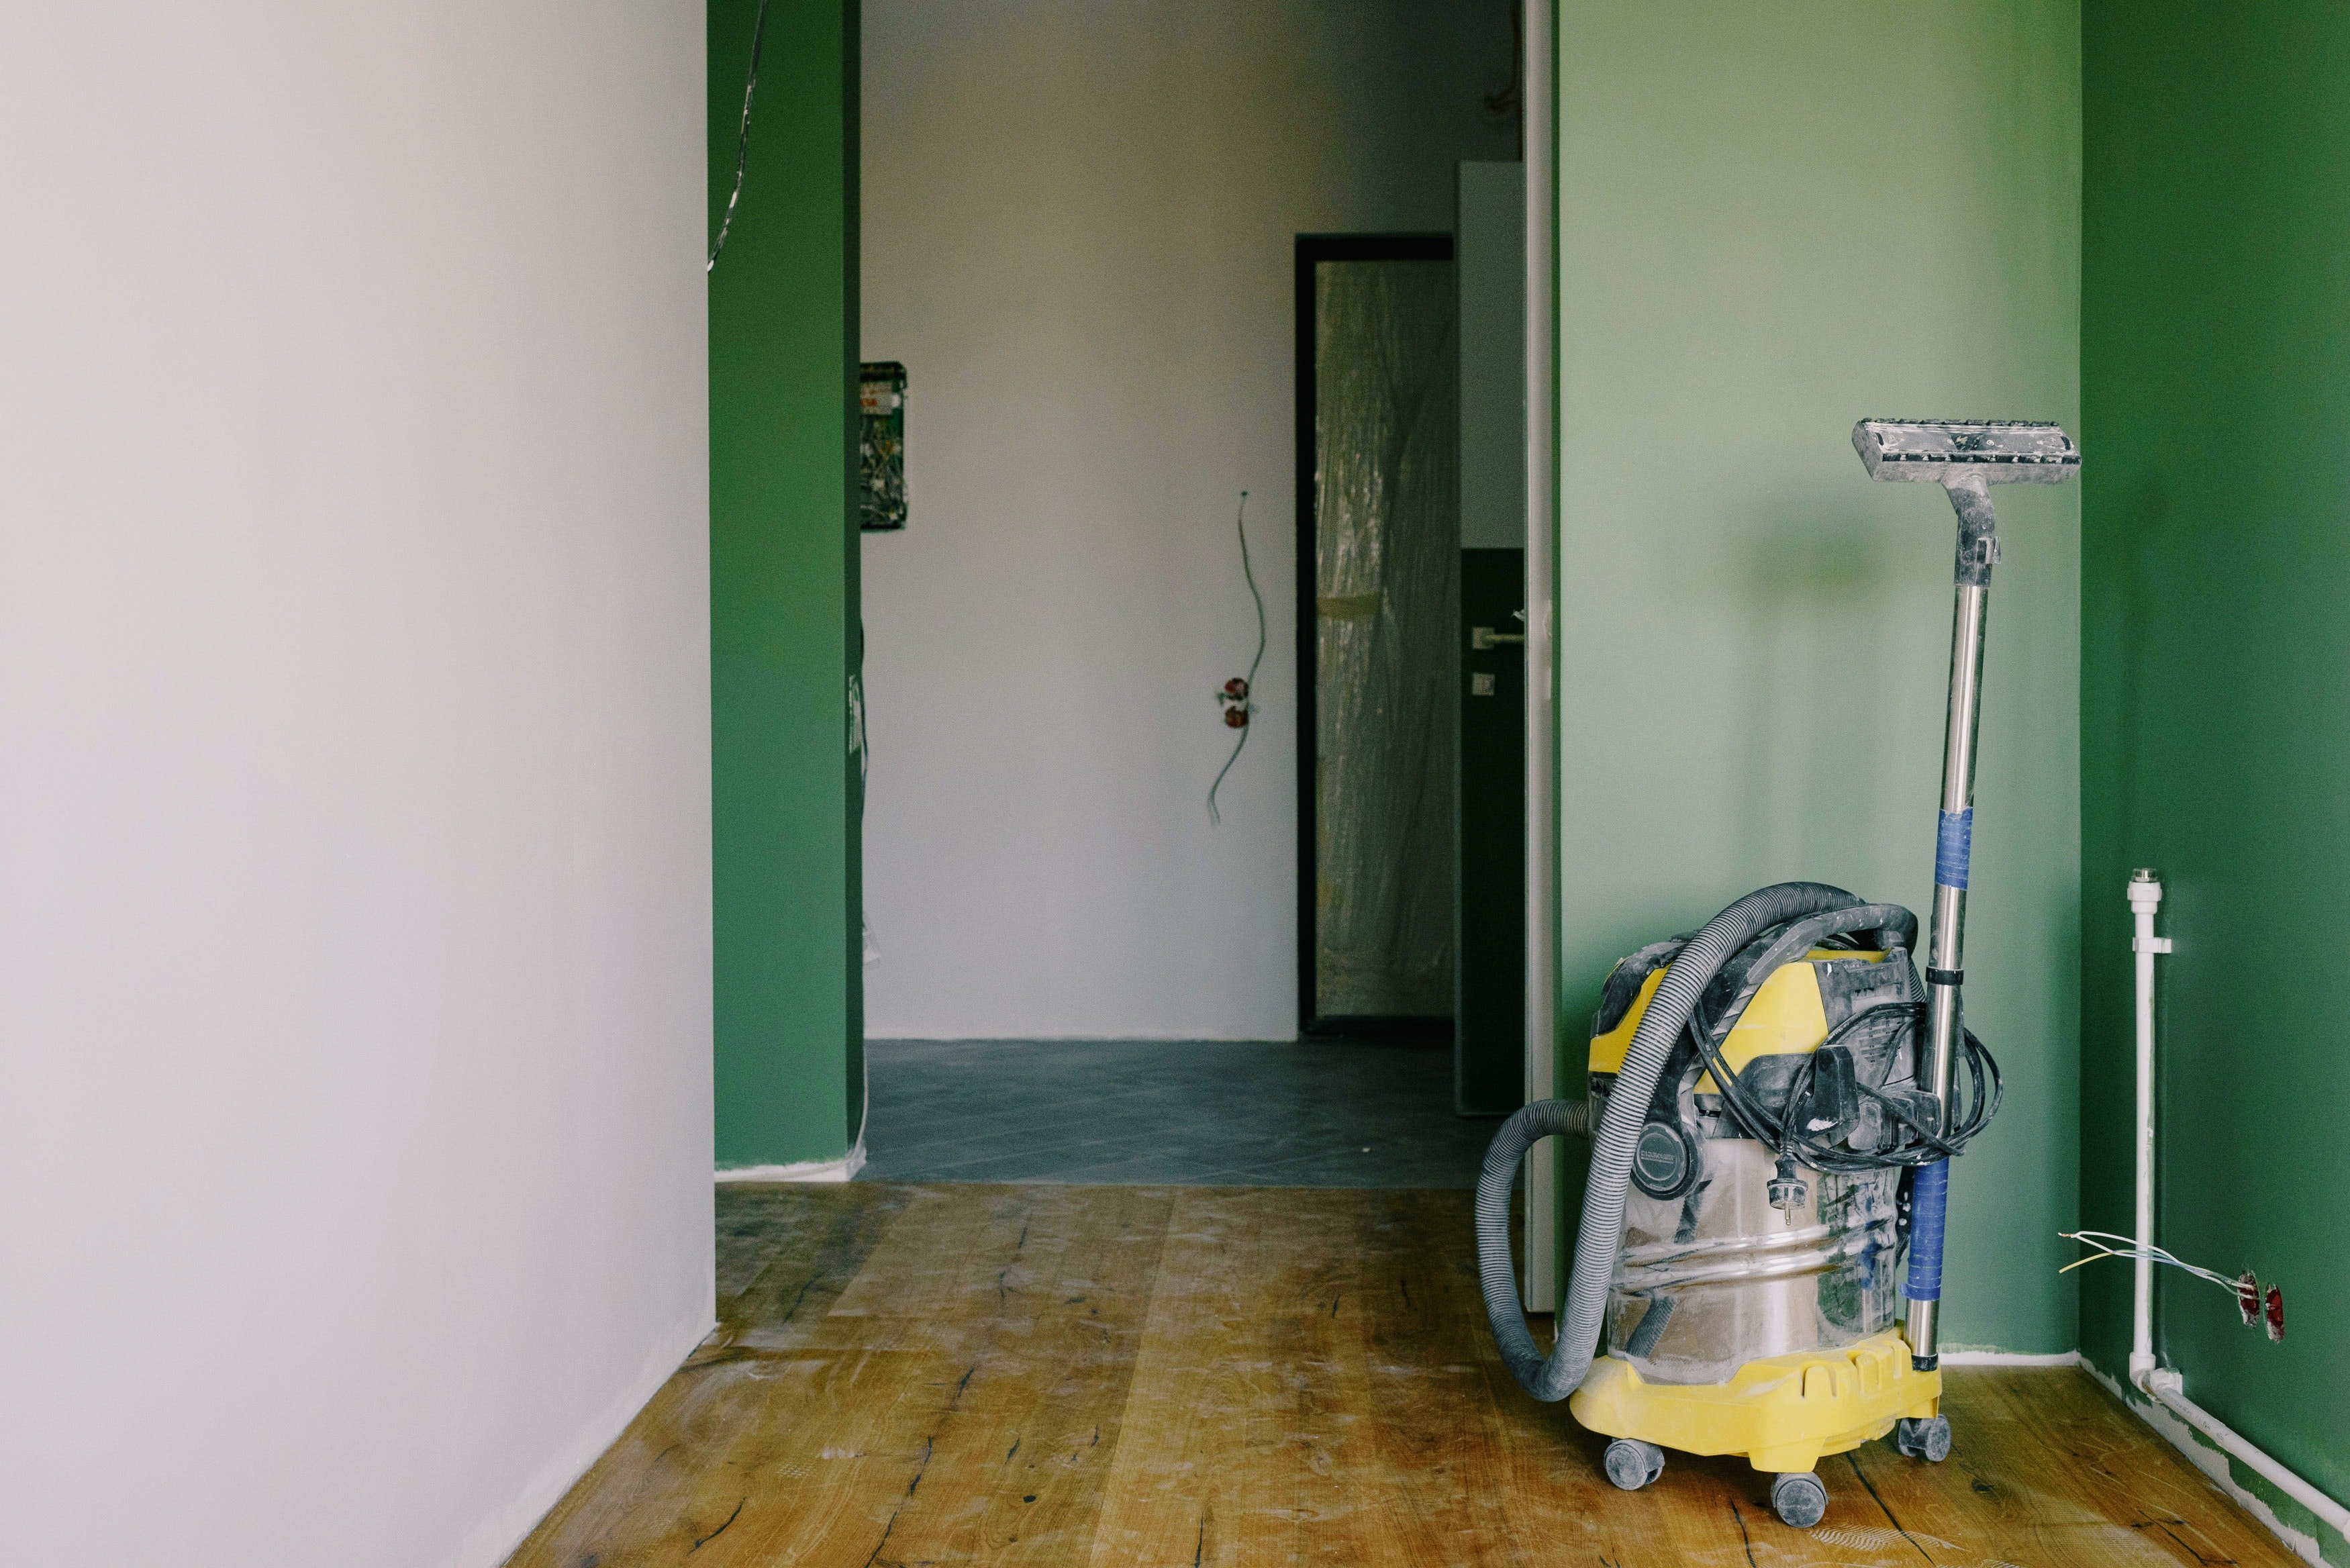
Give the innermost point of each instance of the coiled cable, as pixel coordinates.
(1785, 1133)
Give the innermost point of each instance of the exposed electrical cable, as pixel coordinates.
(1239, 705)
(2105, 1244)
(743, 141)
(860, 720)
(861, 738)
(2261, 1308)
(1513, 95)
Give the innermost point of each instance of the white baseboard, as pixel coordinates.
(2212, 1461)
(495, 1539)
(845, 1168)
(2008, 1358)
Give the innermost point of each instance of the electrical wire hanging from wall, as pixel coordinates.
(743, 141)
(1235, 694)
(2259, 1307)
(2105, 1244)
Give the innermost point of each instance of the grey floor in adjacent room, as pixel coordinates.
(1337, 1112)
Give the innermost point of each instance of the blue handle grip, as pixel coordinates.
(1954, 838)
(1928, 1199)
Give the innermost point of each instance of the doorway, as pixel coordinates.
(1379, 531)
(1084, 973)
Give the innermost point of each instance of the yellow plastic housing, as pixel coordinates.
(1783, 1413)
(1785, 1018)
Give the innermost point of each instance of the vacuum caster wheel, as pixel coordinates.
(1799, 1500)
(1927, 1438)
(1632, 1464)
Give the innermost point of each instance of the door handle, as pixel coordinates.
(1482, 638)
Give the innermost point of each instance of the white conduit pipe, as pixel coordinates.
(2145, 898)
(2163, 1386)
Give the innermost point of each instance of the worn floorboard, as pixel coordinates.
(1228, 1377)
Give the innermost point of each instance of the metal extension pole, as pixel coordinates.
(1946, 947)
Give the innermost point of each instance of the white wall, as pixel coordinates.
(1078, 227)
(354, 895)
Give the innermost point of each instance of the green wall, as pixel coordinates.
(783, 589)
(2215, 352)
(1775, 219)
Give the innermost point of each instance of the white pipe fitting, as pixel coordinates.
(2145, 898)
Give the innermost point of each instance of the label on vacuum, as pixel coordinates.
(1950, 847)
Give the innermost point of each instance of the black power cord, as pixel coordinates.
(1920, 1145)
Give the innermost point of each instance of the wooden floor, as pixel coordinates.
(1136, 1376)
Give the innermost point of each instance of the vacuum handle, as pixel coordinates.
(1978, 552)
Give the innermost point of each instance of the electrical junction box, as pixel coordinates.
(881, 446)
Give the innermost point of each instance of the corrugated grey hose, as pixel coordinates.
(1601, 1238)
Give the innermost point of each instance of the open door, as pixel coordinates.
(1489, 1038)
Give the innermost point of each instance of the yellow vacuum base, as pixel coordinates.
(1782, 1412)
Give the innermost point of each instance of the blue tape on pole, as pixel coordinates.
(1929, 1197)
(1951, 845)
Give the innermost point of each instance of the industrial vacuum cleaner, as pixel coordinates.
(1773, 1105)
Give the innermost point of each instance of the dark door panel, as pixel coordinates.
(1490, 951)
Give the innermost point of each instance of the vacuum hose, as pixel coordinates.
(1600, 1238)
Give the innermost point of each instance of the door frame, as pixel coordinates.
(1540, 154)
(1313, 249)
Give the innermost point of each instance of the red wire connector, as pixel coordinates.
(1235, 699)
(2265, 1310)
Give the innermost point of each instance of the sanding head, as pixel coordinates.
(1951, 453)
